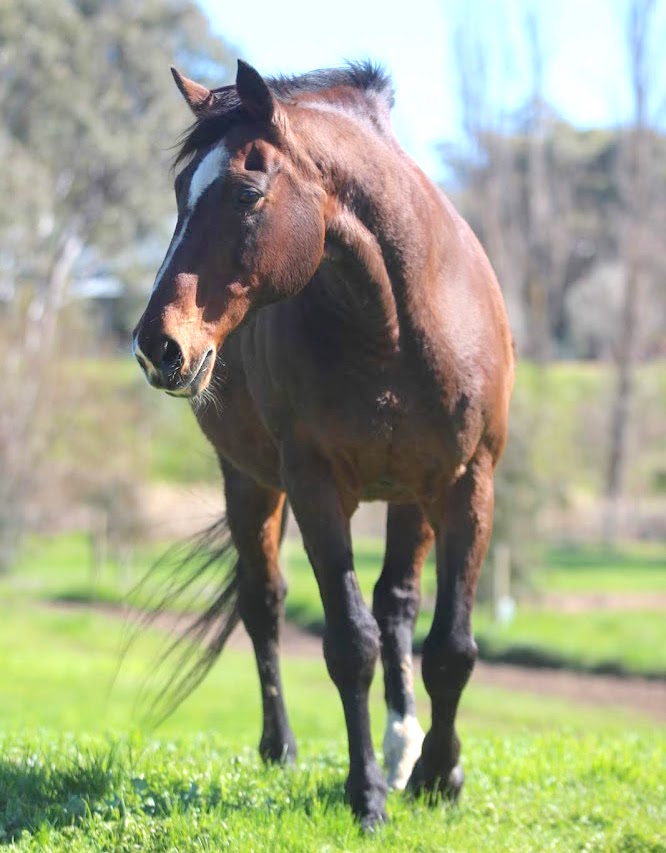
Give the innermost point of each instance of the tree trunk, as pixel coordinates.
(21, 442)
(635, 254)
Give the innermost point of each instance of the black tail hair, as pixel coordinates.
(205, 564)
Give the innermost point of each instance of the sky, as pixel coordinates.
(585, 66)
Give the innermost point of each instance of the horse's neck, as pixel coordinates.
(350, 308)
(382, 244)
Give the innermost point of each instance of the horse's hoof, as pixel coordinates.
(278, 750)
(433, 786)
(455, 783)
(371, 822)
(367, 797)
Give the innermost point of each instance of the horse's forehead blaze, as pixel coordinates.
(211, 167)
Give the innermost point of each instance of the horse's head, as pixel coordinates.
(250, 231)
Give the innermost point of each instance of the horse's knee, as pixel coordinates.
(351, 649)
(394, 606)
(448, 662)
(261, 606)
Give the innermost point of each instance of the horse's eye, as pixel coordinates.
(249, 196)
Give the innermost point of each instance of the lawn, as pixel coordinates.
(601, 640)
(615, 641)
(637, 567)
(80, 769)
(541, 774)
(525, 793)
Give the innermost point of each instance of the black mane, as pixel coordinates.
(227, 110)
(365, 76)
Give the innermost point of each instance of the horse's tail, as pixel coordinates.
(200, 577)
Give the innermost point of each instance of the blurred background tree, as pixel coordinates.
(573, 220)
(89, 112)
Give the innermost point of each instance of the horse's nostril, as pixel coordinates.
(171, 355)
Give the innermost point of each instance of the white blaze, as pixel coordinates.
(207, 172)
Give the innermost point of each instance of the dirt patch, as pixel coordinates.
(645, 696)
(587, 602)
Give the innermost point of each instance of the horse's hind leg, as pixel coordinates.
(449, 650)
(409, 538)
(255, 516)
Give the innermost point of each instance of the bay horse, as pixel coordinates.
(341, 337)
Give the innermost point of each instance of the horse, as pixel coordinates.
(341, 337)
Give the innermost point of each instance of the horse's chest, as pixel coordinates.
(385, 439)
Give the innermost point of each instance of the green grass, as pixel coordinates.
(638, 567)
(526, 793)
(631, 641)
(59, 670)
(540, 774)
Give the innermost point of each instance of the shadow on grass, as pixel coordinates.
(42, 792)
(33, 792)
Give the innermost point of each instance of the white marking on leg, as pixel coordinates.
(403, 739)
(207, 172)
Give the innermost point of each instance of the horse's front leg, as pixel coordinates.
(463, 522)
(255, 516)
(396, 599)
(351, 638)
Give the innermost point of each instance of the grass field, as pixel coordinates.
(526, 793)
(631, 641)
(620, 640)
(81, 770)
(639, 567)
(542, 774)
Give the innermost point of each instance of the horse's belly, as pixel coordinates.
(397, 456)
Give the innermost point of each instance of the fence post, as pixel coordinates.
(504, 606)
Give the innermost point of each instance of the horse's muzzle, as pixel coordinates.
(165, 370)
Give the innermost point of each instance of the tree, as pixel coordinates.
(89, 115)
(639, 246)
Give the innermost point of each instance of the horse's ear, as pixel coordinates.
(256, 97)
(198, 97)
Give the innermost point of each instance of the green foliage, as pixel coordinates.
(90, 108)
(557, 442)
(89, 111)
(523, 793)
